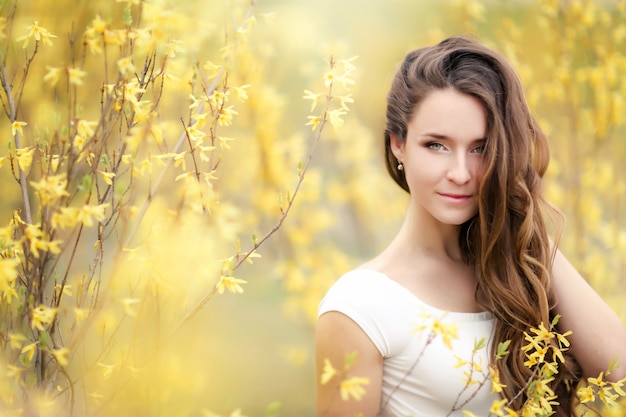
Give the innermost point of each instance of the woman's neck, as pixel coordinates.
(422, 234)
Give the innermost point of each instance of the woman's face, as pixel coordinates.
(443, 155)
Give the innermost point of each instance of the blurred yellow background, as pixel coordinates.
(254, 350)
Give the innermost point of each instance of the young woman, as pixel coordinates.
(472, 260)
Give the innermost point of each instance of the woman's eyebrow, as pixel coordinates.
(444, 137)
(434, 135)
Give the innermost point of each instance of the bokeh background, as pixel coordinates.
(253, 351)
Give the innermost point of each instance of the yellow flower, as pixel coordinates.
(14, 372)
(329, 77)
(88, 214)
(60, 355)
(42, 316)
(343, 100)
(224, 142)
(231, 284)
(51, 188)
(203, 150)
(66, 217)
(64, 289)
(496, 407)
(29, 351)
(114, 37)
(225, 116)
(607, 396)
(16, 339)
(447, 331)
(314, 121)
(107, 176)
(599, 381)
(95, 45)
(145, 165)
(328, 373)
(542, 333)
(85, 128)
(76, 76)
(38, 33)
(314, 97)
(8, 276)
(241, 92)
(78, 143)
(353, 387)
(460, 362)
(212, 69)
(334, 116)
(179, 160)
(236, 413)
(53, 75)
(126, 66)
(8, 272)
(511, 413)
(96, 397)
(16, 126)
(617, 386)
(35, 237)
(81, 313)
(107, 370)
(98, 26)
(496, 385)
(586, 394)
(218, 97)
(25, 157)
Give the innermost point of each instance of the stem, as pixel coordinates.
(4, 80)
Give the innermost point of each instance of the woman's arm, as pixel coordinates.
(598, 336)
(337, 336)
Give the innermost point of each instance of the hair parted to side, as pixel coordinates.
(507, 241)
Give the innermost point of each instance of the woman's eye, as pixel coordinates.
(479, 149)
(435, 146)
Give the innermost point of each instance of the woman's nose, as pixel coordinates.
(459, 170)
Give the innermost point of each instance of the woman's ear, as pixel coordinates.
(397, 146)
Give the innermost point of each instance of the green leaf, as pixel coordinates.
(503, 349)
(613, 365)
(128, 17)
(85, 183)
(272, 409)
(44, 339)
(479, 344)
(350, 359)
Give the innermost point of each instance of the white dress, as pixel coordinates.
(435, 384)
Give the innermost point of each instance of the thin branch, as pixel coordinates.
(4, 80)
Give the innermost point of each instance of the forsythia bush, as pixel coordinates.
(122, 214)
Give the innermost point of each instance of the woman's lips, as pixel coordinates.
(456, 198)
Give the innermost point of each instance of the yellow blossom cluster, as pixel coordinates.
(340, 75)
(349, 386)
(608, 393)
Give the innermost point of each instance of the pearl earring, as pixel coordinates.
(400, 166)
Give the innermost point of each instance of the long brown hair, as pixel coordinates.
(507, 241)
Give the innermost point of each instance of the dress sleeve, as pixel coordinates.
(367, 298)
